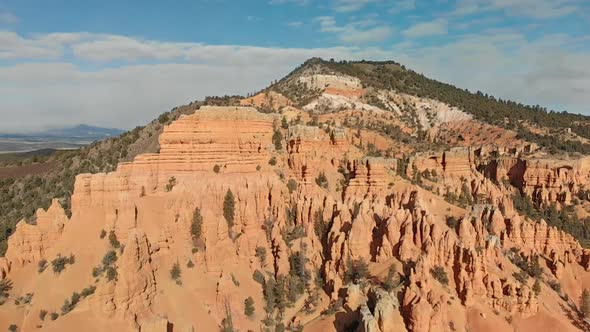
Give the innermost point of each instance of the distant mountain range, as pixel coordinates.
(61, 138)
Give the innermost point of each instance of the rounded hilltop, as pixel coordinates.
(346, 196)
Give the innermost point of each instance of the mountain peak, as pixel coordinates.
(356, 189)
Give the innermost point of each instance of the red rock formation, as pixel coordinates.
(365, 212)
(30, 242)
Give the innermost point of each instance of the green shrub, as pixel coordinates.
(163, 119)
(197, 224)
(333, 308)
(54, 315)
(109, 258)
(88, 291)
(103, 233)
(190, 264)
(171, 183)
(261, 255)
(70, 304)
(42, 265)
(452, 222)
(439, 273)
(111, 273)
(13, 328)
(356, 271)
(229, 208)
(216, 168)
(42, 314)
(272, 161)
(555, 285)
(235, 280)
(521, 276)
(321, 180)
(277, 140)
(97, 271)
(259, 277)
(249, 306)
(113, 240)
(292, 185)
(176, 273)
(59, 264)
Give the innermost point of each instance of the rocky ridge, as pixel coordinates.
(318, 229)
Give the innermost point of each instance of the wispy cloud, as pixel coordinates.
(295, 24)
(355, 32)
(424, 29)
(150, 76)
(50, 46)
(539, 9)
(351, 5)
(547, 71)
(402, 5)
(134, 79)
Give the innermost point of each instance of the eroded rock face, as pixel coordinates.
(176, 207)
(547, 181)
(30, 242)
(130, 296)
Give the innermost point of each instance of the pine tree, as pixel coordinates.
(277, 139)
(249, 306)
(229, 208)
(196, 226)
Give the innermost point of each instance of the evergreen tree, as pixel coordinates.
(196, 225)
(249, 306)
(229, 208)
(356, 271)
(277, 140)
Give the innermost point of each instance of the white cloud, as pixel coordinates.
(549, 71)
(540, 9)
(402, 5)
(376, 34)
(54, 94)
(355, 32)
(351, 5)
(13, 46)
(42, 94)
(8, 18)
(508, 65)
(115, 47)
(295, 24)
(424, 29)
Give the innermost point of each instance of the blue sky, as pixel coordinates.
(121, 63)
